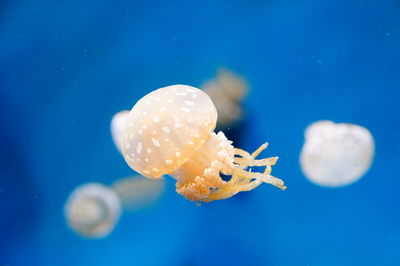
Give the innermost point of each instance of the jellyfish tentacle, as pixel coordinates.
(255, 162)
(242, 153)
(250, 160)
(266, 178)
(259, 150)
(235, 185)
(210, 187)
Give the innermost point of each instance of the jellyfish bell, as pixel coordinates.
(92, 210)
(117, 127)
(162, 130)
(336, 154)
(170, 131)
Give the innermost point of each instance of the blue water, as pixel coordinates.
(67, 66)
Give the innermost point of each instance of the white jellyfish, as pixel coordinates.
(336, 155)
(117, 127)
(227, 91)
(170, 131)
(92, 210)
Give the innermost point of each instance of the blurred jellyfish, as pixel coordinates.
(171, 131)
(138, 192)
(92, 210)
(227, 91)
(117, 127)
(336, 155)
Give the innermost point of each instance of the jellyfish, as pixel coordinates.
(137, 192)
(92, 210)
(170, 131)
(336, 154)
(227, 91)
(117, 127)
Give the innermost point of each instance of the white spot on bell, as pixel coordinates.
(166, 129)
(139, 148)
(155, 142)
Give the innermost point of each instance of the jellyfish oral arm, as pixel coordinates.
(199, 178)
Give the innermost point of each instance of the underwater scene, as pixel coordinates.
(200, 132)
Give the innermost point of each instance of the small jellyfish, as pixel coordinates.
(227, 91)
(336, 155)
(92, 210)
(170, 131)
(117, 127)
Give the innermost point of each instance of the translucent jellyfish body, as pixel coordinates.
(138, 192)
(170, 131)
(336, 155)
(227, 91)
(92, 210)
(117, 127)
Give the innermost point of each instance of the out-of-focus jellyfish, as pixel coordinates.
(227, 91)
(336, 155)
(138, 192)
(117, 127)
(170, 131)
(92, 210)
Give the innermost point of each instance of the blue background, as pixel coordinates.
(67, 66)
